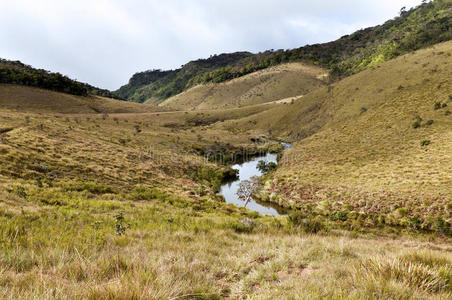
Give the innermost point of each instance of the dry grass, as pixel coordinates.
(356, 144)
(30, 99)
(67, 180)
(275, 83)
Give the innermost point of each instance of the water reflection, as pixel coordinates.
(246, 171)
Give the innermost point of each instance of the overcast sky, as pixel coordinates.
(104, 42)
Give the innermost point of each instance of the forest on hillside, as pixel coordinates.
(422, 26)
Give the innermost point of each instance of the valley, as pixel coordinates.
(102, 198)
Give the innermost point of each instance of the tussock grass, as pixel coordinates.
(431, 279)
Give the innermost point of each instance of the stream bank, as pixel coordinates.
(247, 170)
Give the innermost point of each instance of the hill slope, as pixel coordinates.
(275, 83)
(15, 72)
(425, 25)
(122, 208)
(380, 141)
(30, 99)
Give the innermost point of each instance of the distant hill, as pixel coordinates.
(280, 82)
(16, 72)
(425, 25)
(36, 100)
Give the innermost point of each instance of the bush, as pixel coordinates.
(441, 226)
(144, 193)
(265, 167)
(425, 143)
(20, 191)
(307, 222)
(429, 122)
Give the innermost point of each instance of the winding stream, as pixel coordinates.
(246, 171)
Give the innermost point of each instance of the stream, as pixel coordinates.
(246, 171)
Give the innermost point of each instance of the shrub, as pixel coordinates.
(265, 167)
(437, 105)
(119, 224)
(429, 122)
(425, 143)
(307, 222)
(20, 191)
(416, 124)
(144, 193)
(441, 226)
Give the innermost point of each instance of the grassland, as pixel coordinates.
(101, 199)
(36, 100)
(275, 83)
(375, 146)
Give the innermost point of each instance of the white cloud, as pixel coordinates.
(103, 42)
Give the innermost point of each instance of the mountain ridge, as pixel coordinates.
(422, 26)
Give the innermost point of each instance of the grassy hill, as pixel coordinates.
(15, 72)
(31, 99)
(376, 144)
(106, 199)
(420, 27)
(124, 207)
(275, 83)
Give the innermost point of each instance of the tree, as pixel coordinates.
(403, 11)
(247, 188)
(265, 167)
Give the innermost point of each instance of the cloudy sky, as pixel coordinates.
(104, 42)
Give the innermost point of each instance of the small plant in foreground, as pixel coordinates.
(119, 226)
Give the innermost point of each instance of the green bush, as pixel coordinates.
(307, 222)
(440, 226)
(144, 193)
(425, 143)
(266, 167)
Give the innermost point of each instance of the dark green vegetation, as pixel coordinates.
(423, 26)
(15, 72)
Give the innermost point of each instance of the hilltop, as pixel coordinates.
(16, 72)
(420, 27)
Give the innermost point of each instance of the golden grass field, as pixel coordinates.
(272, 84)
(102, 199)
(357, 145)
